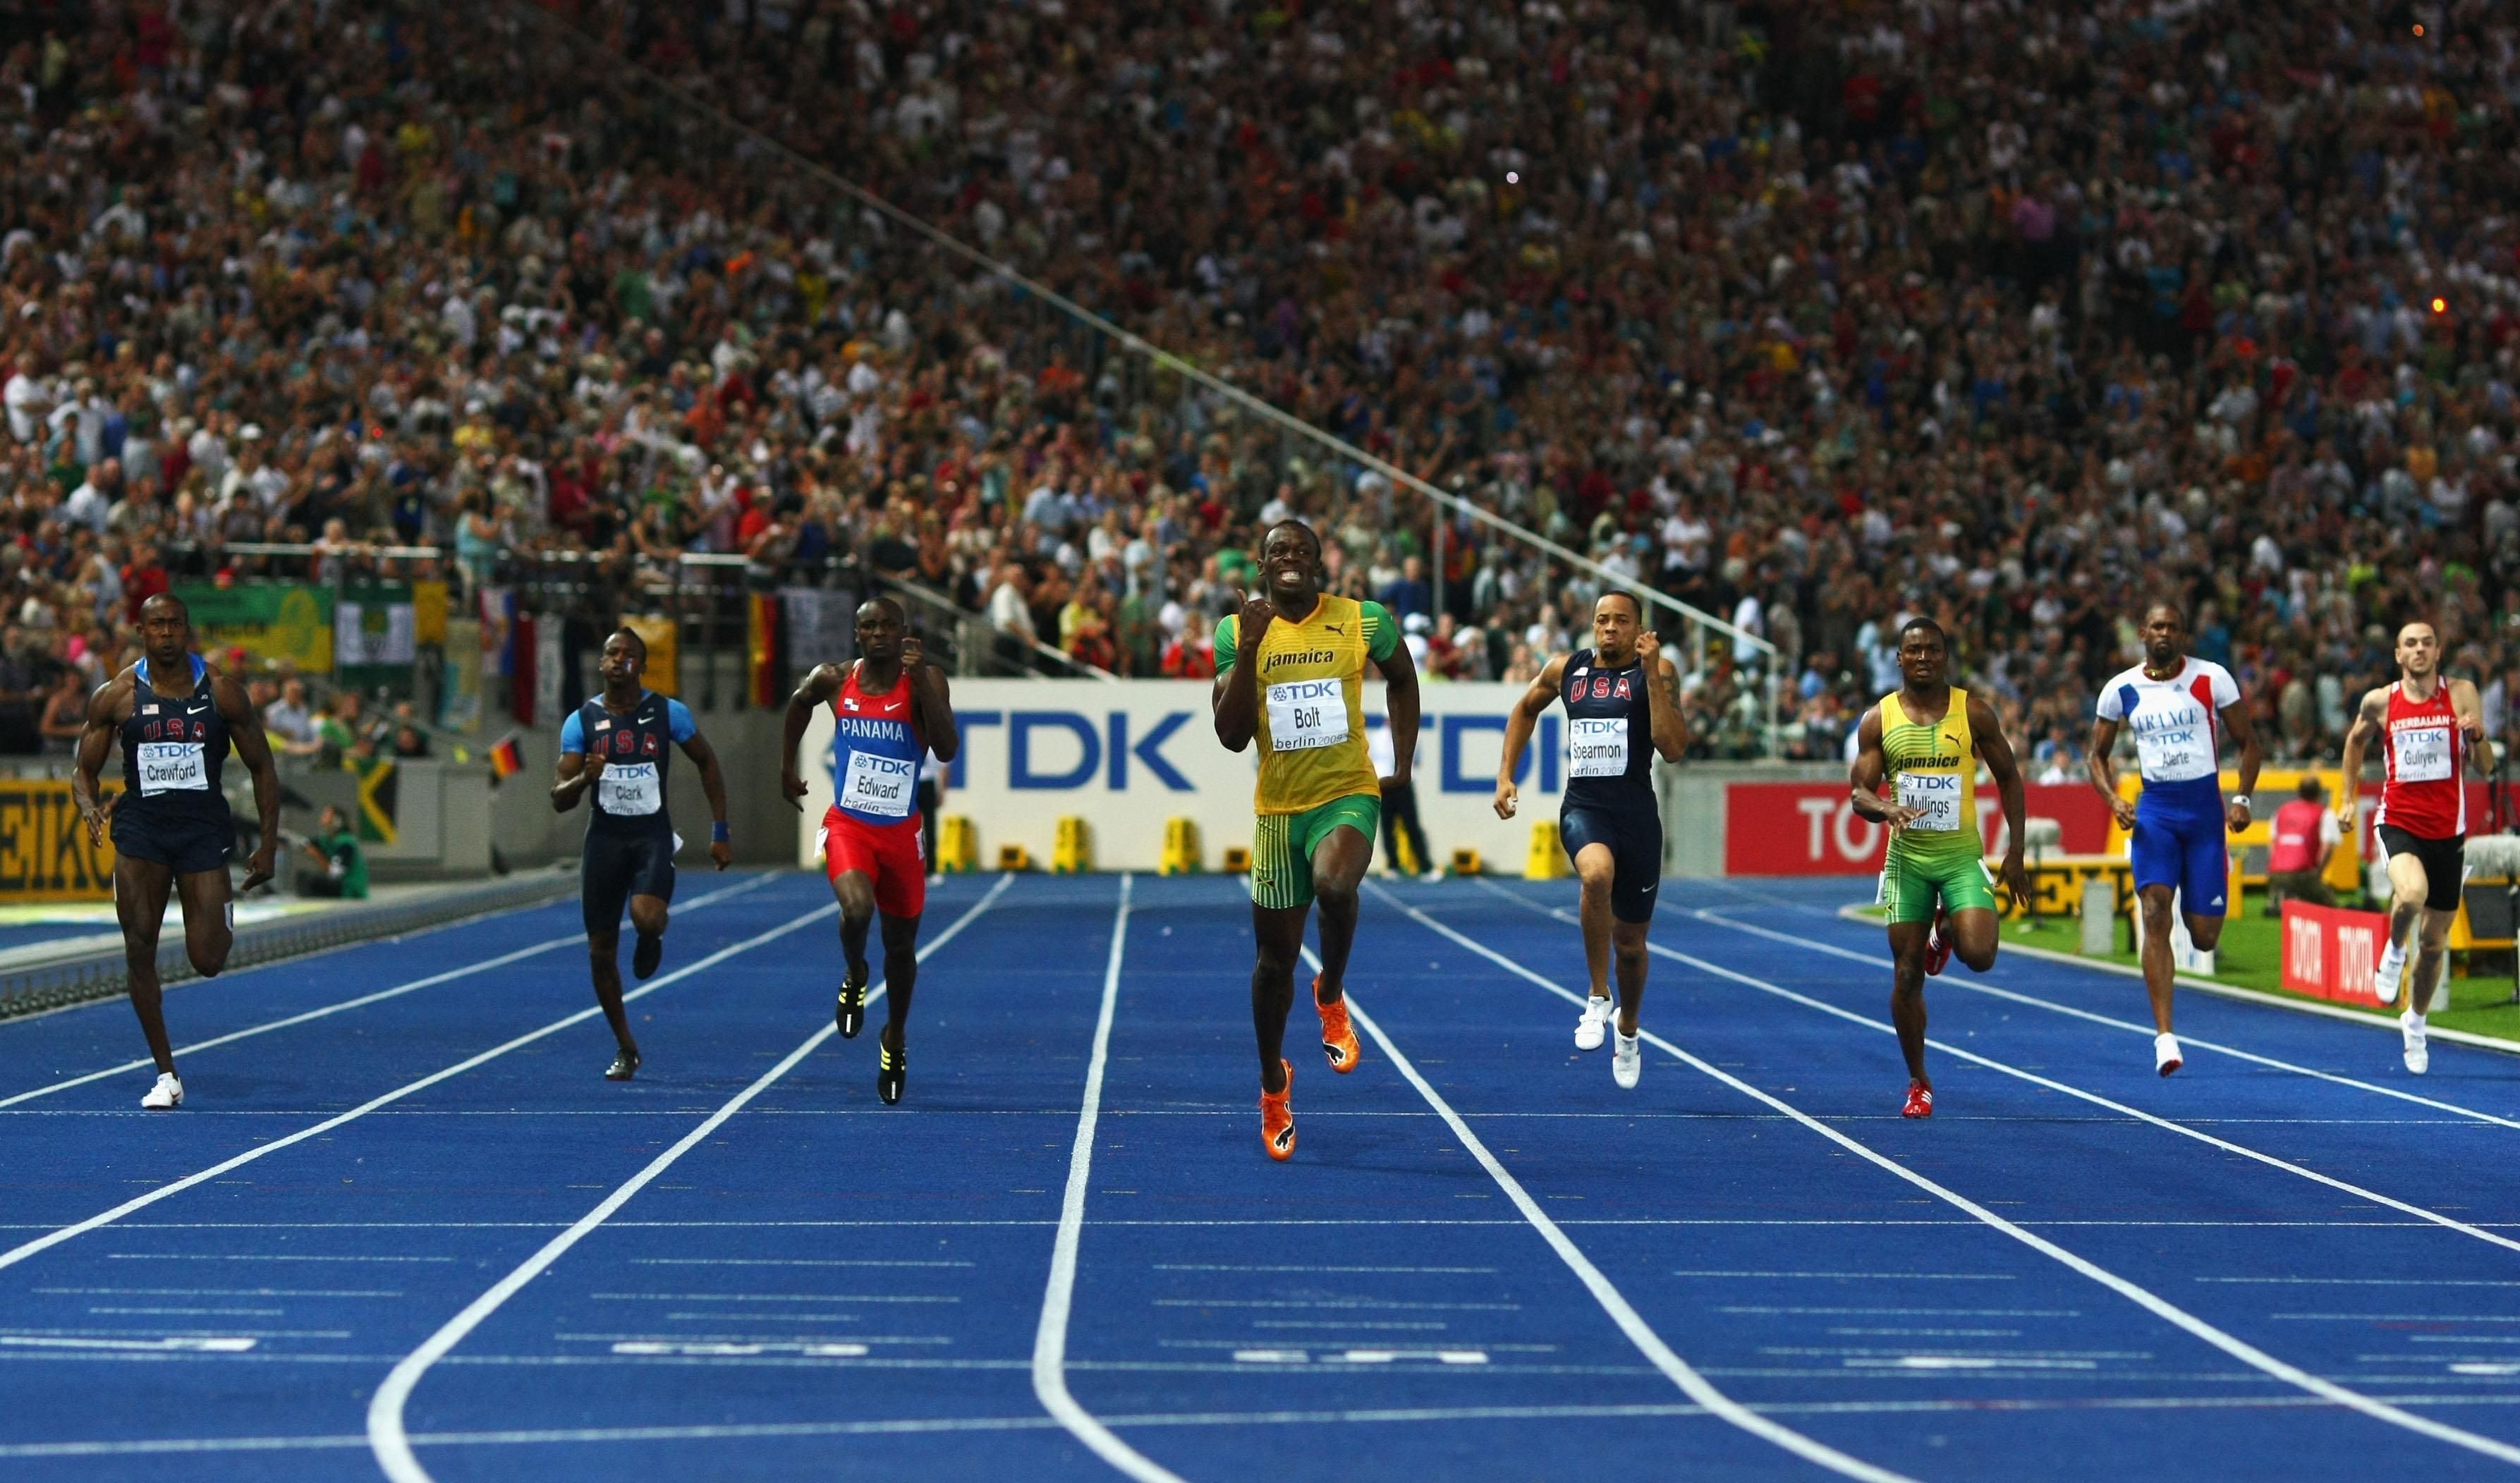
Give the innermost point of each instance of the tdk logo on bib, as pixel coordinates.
(1291, 691)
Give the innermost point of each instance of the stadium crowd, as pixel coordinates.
(1811, 316)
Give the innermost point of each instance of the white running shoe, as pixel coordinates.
(2165, 1052)
(1589, 1029)
(2419, 1056)
(167, 1094)
(1433, 876)
(1626, 1066)
(2384, 978)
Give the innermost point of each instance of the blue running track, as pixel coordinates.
(402, 1226)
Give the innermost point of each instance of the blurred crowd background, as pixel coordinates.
(1811, 316)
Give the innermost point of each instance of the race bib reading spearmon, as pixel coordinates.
(1938, 794)
(1596, 746)
(2423, 753)
(167, 767)
(630, 788)
(1304, 714)
(885, 785)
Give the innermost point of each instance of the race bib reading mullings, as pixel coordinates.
(1596, 746)
(885, 785)
(1938, 794)
(2423, 753)
(1304, 714)
(630, 788)
(167, 767)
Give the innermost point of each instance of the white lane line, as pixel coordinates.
(1630, 1322)
(20, 1253)
(386, 1437)
(779, 1261)
(2123, 1110)
(162, 1446)
(2143, 1297)
(2014, 996)
(1059, 1294)
(364, 1000)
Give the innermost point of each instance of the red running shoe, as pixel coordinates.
(1938, 945)
(1920, 1100)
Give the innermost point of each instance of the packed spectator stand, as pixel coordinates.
(1810, 316)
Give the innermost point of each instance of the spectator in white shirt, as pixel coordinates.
(93, 500)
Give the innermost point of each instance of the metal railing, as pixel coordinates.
(82, 975)
(642, 88)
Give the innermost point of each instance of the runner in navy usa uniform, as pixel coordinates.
(618, 747)
(171, 830)
(1622, 702)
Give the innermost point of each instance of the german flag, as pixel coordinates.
(506, 761)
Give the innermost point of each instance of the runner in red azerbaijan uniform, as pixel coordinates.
(2427, 726)
(889, 710)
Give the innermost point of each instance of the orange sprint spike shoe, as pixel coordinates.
(1278, 1120)
(1339, 1037)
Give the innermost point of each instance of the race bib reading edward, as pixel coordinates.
(885, 785)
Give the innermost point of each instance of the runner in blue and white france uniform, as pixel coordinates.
(2179, 709)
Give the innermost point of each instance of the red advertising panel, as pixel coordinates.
(1810, 828)
(2330, 953)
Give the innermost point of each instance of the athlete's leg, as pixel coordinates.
(1628, 946)
(2431, 959)
(207, 933)
(647, 916)
(2410, 887)
(1338, 865)
(603, 957)
(2159, 967)
(140, 891)
(855, 891)
(2204, 875)
(1406, 797)
(1278, 935)
(1596, 869)
(1907, 992)
(900, 976)
(1975, 932)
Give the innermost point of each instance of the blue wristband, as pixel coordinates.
(718, 834)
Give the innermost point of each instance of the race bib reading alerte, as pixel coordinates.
(630, 787)
(885, 785)
(1304, 714)
(167, 767)
(1596, 746)
(1938, 794)
(2423, 753)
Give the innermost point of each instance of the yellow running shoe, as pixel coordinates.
(1339, 1037)
(1278, 1120)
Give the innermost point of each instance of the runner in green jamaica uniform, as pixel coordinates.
(1927, 738)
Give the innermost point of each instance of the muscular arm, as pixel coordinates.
(1864, 776)
(1400, 705)
(2252, 755)
(932, 698)
(1662, 709)
(1525, 715)
(2100, 761)
(96, 742)
(821, 684)
(574, 780)
(712, 778)
(1995, 748)
(254, 750)
(2368, 718)
(2470, 708)
(1236, 699)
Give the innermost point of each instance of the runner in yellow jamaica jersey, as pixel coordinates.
(1290, 673)
(1927, 738)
